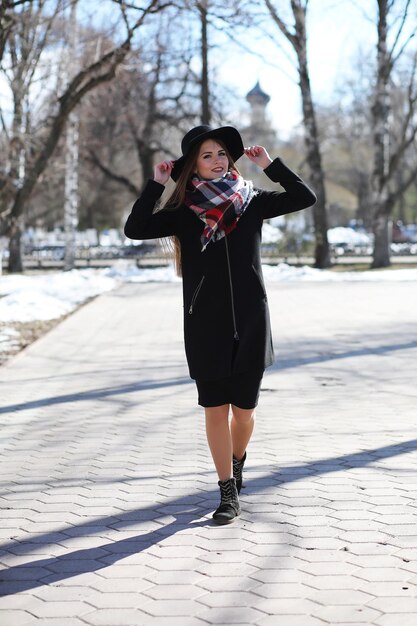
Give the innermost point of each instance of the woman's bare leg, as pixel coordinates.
(242, 425)
(219, 439)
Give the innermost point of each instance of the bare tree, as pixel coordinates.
(392, 21)
(101, 70)
(297, 36)
(72, 134)
(202, 6)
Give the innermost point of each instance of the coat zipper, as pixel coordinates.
(195, 295)
(235, 335)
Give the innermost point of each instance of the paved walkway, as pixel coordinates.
(107, 487)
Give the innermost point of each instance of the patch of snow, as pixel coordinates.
(287, 273)
(8, 339)
(128, 271)
(342, 235)
(271, 234)
(46, 297)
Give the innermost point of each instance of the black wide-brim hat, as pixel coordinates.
(227, 134)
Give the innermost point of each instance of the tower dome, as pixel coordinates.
(257, 96)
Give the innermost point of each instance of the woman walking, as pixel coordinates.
(215, 219)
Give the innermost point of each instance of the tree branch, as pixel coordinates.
(404, 17)
(122, 180)
(280, 23)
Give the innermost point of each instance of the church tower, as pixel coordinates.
(259, 131)
(258, 101)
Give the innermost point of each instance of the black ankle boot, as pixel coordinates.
(237, 471)
(229, 507)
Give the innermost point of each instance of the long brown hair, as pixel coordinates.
(177, 197)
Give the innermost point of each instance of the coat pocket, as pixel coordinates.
(259, 280)
(195, 296)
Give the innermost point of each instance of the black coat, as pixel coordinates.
(226, 318)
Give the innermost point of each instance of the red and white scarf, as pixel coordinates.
(219, 203)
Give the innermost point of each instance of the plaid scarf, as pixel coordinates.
(219, 203)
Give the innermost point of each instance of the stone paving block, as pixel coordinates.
(16, 617)
(317, 532)
(286, 574)
(344, 597)
(233, 583)
(226, 557)
(383, 574)
(115, 600)
(172, 621)
(56, 593)
(403, 604)
(372, 549)
(228, 598)
(169, 577)
(120, 585)
(335, 582)
(396, 618)
(291, 620)
(337, 614)
(284, 590)
(287, 606)
(117, 617)
(23, 572)
(229, 569)
(63, 621)
(231, 615)
(60, 609)
(175, 592)
(363, 536)
(324, 569)
(172, 608)
(405, 541)
(322, 556)
(24, 601)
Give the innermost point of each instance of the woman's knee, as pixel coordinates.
(217, 412)
(243, 416)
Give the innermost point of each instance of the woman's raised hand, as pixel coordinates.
(162, 171)
(258, 155)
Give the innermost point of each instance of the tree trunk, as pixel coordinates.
(381, 228)
(15, 263)
(298, 40)
(364, 199)
(71, 191)
(146, 157)
(380, 120)
(322, 253)
(205, 105)
(71, 160)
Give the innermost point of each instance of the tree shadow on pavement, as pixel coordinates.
(283, 363)
(187, 512)
(53, 569)
(96, 394)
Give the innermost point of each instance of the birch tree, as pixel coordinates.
(297, 37)
(71, 161)
(393, 22)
